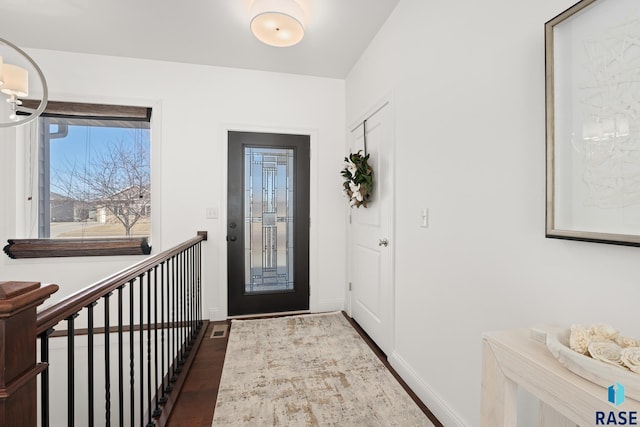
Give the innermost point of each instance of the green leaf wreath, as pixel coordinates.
(358, 179)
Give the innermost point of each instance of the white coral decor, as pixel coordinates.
(603, 332)
(579, 339)
(607, 352)
(604, 343)
(631, 358)
(625, 342)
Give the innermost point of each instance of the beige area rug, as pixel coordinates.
(311, 370)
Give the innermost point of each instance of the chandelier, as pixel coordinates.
(14, 85)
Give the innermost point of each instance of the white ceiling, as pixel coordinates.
(211, 32)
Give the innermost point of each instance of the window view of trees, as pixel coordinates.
(96, 180)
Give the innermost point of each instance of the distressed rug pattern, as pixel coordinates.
(310, 370)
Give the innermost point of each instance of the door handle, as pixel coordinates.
(383, 242)
(231, 238)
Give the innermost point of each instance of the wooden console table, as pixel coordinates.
(511, 359)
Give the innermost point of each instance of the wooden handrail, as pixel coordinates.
(72, 304)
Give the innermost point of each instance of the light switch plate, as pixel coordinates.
(212, 213)
(424, 218)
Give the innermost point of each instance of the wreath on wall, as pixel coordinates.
(358, 179)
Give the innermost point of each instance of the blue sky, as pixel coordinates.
(81, 143)
(84, 144)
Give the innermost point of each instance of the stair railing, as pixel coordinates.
(135, 331)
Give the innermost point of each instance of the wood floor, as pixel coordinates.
(194, 407)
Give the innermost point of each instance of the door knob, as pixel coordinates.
(231, 238)
(383, 242)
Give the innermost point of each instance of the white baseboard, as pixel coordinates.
(327, 305)
(216, 314)
(437, 406)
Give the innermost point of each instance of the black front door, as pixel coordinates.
(268, 223)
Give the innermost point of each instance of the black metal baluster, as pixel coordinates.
(90, 362)
(176, 317)
(176, 307)
(185, 299)
(182, 309)
(120, 361)
(196, 281)
(44, 378)
(132, 391)
(165, 372)
(150, 401)
(107, 362)
(196, 291)
(188, 296)
(141, 345)
(157, 411)
(192, 326)
(177, 328)
(200, 283)
(191, 329)
(71, 370)
(170, 317)
(196, 305)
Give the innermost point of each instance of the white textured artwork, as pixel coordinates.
(610, 99)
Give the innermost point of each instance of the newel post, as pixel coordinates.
(18, 367)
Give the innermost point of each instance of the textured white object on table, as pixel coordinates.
(596, 371)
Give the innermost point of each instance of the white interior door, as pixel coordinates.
(371, 242)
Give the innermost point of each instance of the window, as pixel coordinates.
(95, 178)
(93, 188)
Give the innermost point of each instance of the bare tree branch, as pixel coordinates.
(117, 179)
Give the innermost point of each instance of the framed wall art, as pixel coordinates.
(593, 122)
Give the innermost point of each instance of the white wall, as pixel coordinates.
(468, 86)
(195, 105)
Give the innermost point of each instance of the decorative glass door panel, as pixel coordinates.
(267, 223)
(269, 219)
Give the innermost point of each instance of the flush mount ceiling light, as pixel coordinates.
(277, 23)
